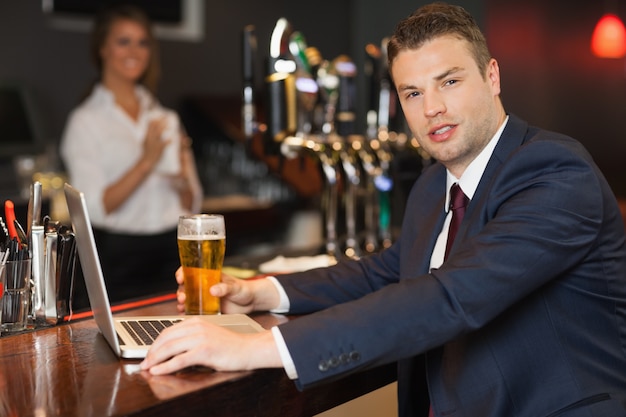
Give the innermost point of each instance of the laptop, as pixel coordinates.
(129, 337)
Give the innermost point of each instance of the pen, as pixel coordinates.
(21, 234)
(4, 234)
(9, 213)
(13, 245)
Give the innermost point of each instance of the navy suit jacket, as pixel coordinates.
(526, 318)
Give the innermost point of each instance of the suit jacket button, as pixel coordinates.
(333, 362)
(323, 366)
(355, 356)
(344, 358)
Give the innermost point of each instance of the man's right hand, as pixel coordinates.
(180, 292)
(237, 295)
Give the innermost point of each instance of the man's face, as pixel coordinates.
(452, 110)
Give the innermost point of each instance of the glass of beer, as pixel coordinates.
(201, 247)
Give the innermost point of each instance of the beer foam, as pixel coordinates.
(202, 237)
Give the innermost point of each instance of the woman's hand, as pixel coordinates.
(118, 192)
(183, 181)
(154, 144)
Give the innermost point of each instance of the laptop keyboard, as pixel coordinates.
(145, 331)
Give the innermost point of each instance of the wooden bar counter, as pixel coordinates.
(69, 370)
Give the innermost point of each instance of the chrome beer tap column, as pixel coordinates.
(319, 94)
(328, 159)
(383, 182)
(369, 169)
(281, 89)
(297, 91)
(352, 183)
(380, 180)
(324, 152)
(248, 59)
(345, 125)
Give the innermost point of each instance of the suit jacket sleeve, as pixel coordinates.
(515, 239)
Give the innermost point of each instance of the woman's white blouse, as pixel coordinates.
(101, 143)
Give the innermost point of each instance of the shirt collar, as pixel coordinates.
(103, 95)
(474, 171)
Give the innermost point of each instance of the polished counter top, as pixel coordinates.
(69, 370)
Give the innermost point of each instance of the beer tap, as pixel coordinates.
(248, 58)
(310, 97)
(382, 147)
(321, 149)
(281, 91)
(294, 95)
(307, 89)
(336, 82)
(349, 164)
(328, 82)
(383, 183)
(315, 60)
(345, 119)
(370, 170)
(328, 160)
(375, 155)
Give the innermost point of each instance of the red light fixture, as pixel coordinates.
(609, 37)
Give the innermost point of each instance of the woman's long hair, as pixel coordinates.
(100, 32)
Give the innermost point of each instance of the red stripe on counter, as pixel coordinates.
(125, 306)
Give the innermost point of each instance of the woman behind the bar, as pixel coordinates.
(131, 158)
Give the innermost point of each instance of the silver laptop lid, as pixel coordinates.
(90, 263)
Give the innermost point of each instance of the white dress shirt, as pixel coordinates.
(468, 183)
(101, 143)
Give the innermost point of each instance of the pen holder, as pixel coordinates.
(15, 298)
(54, 262)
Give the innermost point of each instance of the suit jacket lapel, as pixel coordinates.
(424, 218)
(511, 139)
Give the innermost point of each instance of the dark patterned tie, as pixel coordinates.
(458, 202)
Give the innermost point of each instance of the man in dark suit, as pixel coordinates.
(525, 317)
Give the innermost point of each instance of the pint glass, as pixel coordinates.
(201, 247)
